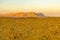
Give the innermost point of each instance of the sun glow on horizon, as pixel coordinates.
(46, 6)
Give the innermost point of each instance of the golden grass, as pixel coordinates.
(30, 28)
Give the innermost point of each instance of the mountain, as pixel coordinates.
(20, 14)
(31, 14)
(23, 14)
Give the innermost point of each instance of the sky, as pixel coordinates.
(48, 7)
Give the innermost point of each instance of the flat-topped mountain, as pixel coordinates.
(23, 14)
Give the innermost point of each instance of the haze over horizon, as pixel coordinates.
(48, 7)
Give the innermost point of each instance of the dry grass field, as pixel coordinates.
(30, 28)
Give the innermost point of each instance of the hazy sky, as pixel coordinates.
(49, 7)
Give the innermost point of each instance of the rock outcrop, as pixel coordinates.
(22, 14)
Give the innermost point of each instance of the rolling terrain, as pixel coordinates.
(31, 28)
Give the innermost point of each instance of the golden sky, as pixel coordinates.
(48, 7)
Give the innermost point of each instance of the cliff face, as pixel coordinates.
(31, 14)
(22, 14)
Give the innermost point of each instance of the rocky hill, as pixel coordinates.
(22, 14)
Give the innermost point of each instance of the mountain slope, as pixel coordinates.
(22, 14)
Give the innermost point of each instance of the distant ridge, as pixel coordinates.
(39, 14)
(22, 14)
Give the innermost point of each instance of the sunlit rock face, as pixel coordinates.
(31, 14)
(23, 14)
(19, 14)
